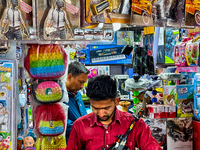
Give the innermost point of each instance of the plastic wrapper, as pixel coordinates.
(48, 91)
(172, 36)
(108, 11)
(192, 52)
(192, 13)
(148, 12)
(175, 12)
(17, 24)
(170, 76)
(8, 104)
(46, 61)
(141, 84)
(50, 120)
(48, 14)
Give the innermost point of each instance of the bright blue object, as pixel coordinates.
(154, 100)
(76, 110)
(50, 131)
(154, 92)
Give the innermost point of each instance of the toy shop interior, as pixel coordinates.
(132, 66)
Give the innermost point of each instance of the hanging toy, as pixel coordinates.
(135, 95)
(154, 92)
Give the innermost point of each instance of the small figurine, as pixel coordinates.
(28, 143)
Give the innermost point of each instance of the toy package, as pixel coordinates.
(158, 130)
(169, 95)
(125, 38)
(196, 131)
(171, 39)
(57, 19)
(185, 100)
(179, 133)
(83, 22)
(108, 11)
(161, 48)
(124, 95)
(192, 52)
(192, 13)
(175, 11)
(148, 13)
(179, 55)
(16, 20)
(197, 96)
(8, 108)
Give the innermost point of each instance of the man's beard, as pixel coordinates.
(106, 117)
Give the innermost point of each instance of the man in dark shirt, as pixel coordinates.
(77, 76)
(100, 128)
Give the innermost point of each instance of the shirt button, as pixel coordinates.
(106, 131)
(107, 145)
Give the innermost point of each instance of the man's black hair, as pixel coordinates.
(76, 68)
(101, 88)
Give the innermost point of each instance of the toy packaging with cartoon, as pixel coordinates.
(179, 55)
(192, 52)
(158, 130)
(169, 95)
(185, 100)
(179, 133)
(197, 96)
(16, 20)
(108, 11)
(171, 38)
(7, 104)
(57, 19)
(125, 37)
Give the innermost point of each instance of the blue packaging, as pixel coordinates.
(197, 96)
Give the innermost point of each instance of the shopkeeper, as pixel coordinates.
(77, 76)
(100, 128)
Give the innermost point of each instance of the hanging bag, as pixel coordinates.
(46, 61)
(47, 91)
(50, 120)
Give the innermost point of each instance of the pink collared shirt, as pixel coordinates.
(89, 134)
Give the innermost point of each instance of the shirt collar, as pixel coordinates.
(72, 93)
(117, 118)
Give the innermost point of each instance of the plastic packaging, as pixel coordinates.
(46, 61)
(19, 28)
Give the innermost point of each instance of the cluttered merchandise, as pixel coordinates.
(99, 75)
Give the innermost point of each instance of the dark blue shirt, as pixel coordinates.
(76, 110)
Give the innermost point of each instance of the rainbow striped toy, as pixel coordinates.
(47, 92)
(46, 61)
(50, 120)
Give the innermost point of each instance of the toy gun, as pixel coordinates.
(122, 139)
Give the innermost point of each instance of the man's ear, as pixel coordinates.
(69, 77)
(117, 99)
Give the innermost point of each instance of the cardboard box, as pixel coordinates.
(179, 133)
(185, 100)
(169, 95)
(158, 130)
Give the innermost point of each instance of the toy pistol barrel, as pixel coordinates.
(100, 7)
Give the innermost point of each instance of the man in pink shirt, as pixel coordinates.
(100, 128)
